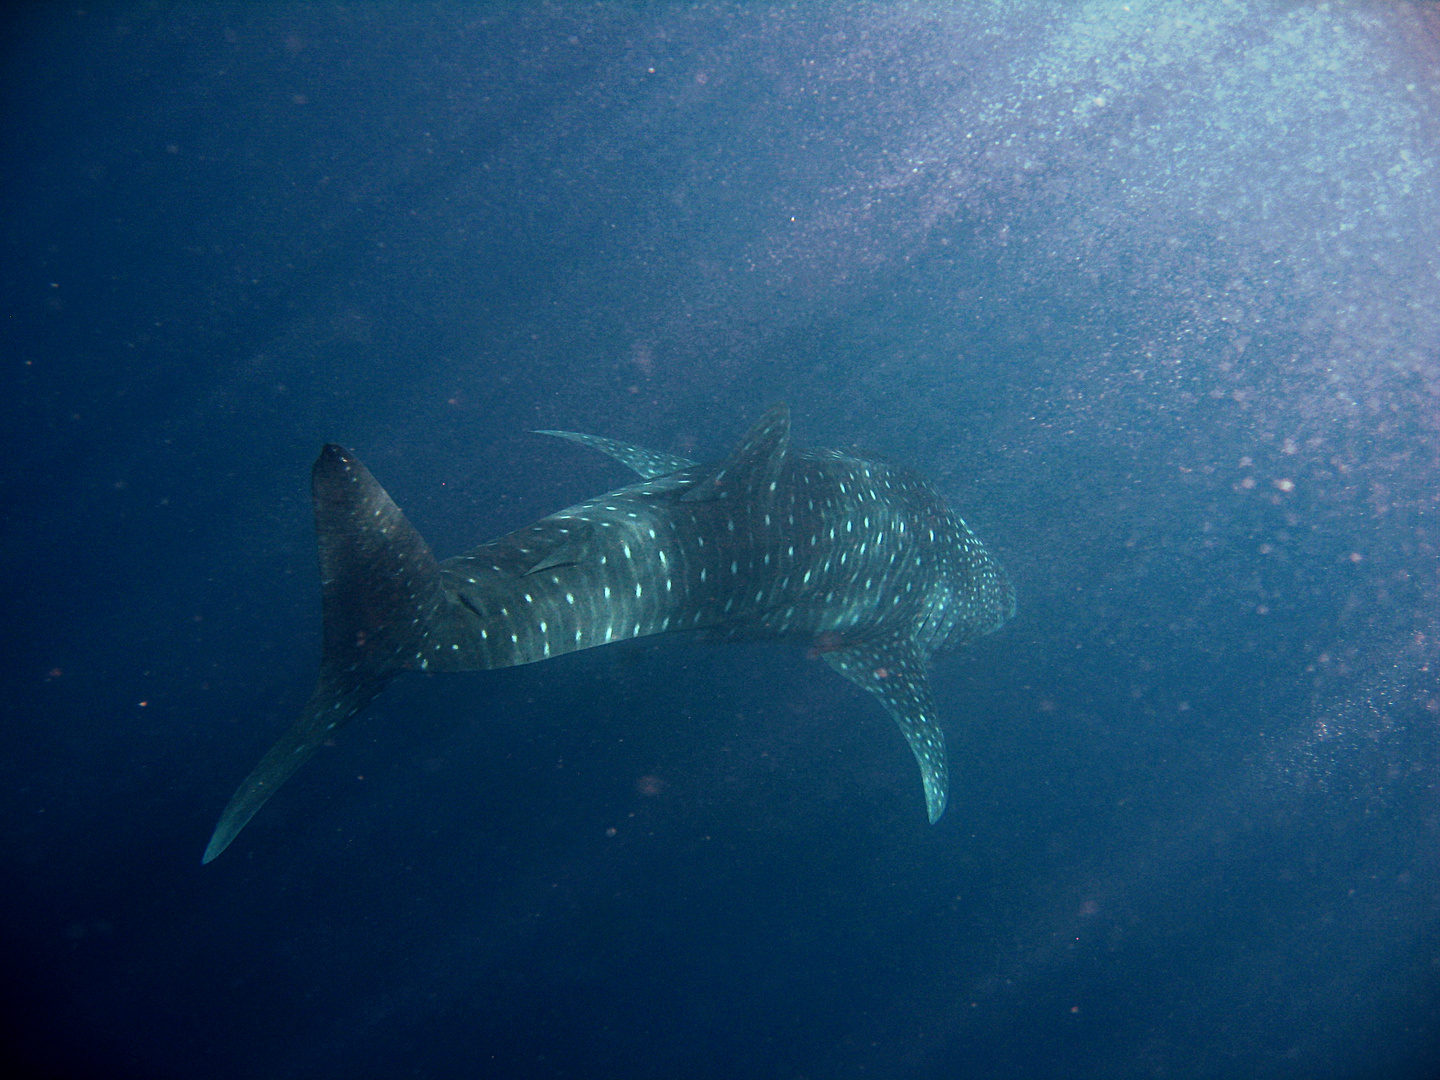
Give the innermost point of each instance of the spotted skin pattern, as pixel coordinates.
(860, 559)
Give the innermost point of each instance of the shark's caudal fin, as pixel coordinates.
(381, 590)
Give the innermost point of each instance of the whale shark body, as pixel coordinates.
(860, 559)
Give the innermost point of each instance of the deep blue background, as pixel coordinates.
(1150, 290)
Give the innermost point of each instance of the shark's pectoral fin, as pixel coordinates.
(894, 671)
(381, 590)
(648, 463)
(753, 468)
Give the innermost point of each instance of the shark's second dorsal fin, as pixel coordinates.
(753, 468)
(894, 671)
(648, 463)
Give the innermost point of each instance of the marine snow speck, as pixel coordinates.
(870, 567)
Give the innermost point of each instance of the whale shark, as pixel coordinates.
(861, 560)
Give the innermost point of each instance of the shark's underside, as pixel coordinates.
(861, 559)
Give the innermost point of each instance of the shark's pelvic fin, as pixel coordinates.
(381, 588)
(894, 671)
(648, 463)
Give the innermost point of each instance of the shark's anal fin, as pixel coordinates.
(648, 463)
(381, 590)
(894, 671)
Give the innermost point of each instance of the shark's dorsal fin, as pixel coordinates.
(894, 671)
(752, 469)
(648, 463)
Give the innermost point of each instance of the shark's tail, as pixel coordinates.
(380, 592)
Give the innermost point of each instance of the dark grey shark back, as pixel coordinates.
(862, 559)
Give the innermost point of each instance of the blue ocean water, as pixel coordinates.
(1149, 290)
